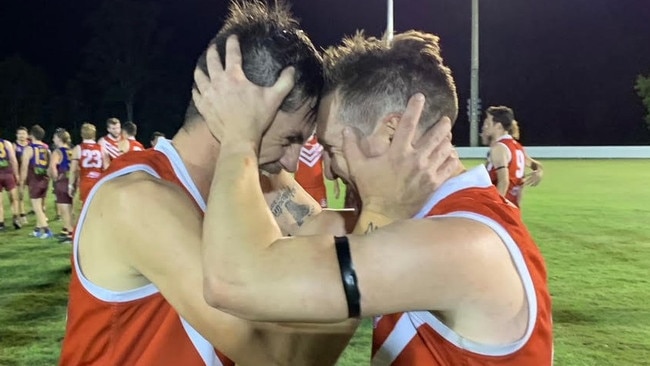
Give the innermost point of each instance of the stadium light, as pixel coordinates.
(474, 109)
(389, 21)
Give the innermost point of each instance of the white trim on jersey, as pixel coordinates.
(95, 290)
(476, 177)
(203, 347)
(397, 340)
(404, 331)
(165, 146)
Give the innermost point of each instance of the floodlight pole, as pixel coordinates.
(474, 98)
(389, 21)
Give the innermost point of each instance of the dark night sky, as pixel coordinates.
(567, 67)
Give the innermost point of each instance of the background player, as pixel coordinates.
(154, 138)
(36, 159)
(22, 140)
(88, 161)
(59, 170)
(9, 175)
(111, 141)
(130, 130)
(537, 170)
(506, 162)
(309, 173)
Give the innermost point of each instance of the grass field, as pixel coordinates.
(590, 218)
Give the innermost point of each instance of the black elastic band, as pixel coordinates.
(499, 168)
(348, 276)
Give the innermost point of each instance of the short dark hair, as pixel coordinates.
(270, 40)
(502, 115)
(22, 128)
(130, 128)
(374, 77)
(37, 132)
(156, 135)
(112, 121)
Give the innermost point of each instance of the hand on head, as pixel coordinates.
(235, 109)
(398, 181)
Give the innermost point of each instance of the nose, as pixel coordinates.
(290, 158)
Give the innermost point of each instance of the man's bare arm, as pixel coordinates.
(499, 156)
(55, 159)
(13, 162)
(27, 155)
(301, 274)
(297, 212)
(151, 245)
(74, 165)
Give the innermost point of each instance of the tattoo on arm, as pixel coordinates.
(371, 227)
(285, 202)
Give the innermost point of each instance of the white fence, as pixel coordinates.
(568, 152)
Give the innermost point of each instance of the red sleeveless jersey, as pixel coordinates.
(420, 339)
(91, 160)
(310, 165)
(135, 327)
(111, 145)
(310, 170)
(516, 168)
(135, 145)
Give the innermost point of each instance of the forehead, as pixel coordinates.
(297, 122)
(326, 125)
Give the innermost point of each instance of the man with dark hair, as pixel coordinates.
(507, 160)
(451, 264)
(33, 173)
(130, 130)
(111, 141)
(154, 138)
(136, 293)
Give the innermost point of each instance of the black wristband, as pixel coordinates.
(348, 276)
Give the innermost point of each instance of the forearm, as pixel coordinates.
(237, 222)
(23, 173)
(14, 167)
(290, 205)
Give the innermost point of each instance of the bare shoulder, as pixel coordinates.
(127, 218)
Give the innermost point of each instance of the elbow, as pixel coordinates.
(227, 297)
(214, 292)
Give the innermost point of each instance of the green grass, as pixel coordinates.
(590, 218)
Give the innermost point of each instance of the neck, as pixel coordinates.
(199, 161)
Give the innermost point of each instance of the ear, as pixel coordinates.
(379, 141)
(387, 126)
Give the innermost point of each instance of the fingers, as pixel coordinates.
(197, 98)
(405, 131)
(351, 150)
(201, 80)
(284, 84)
(450, 166)
(213, 61)
(438, 134)
(233, 53)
